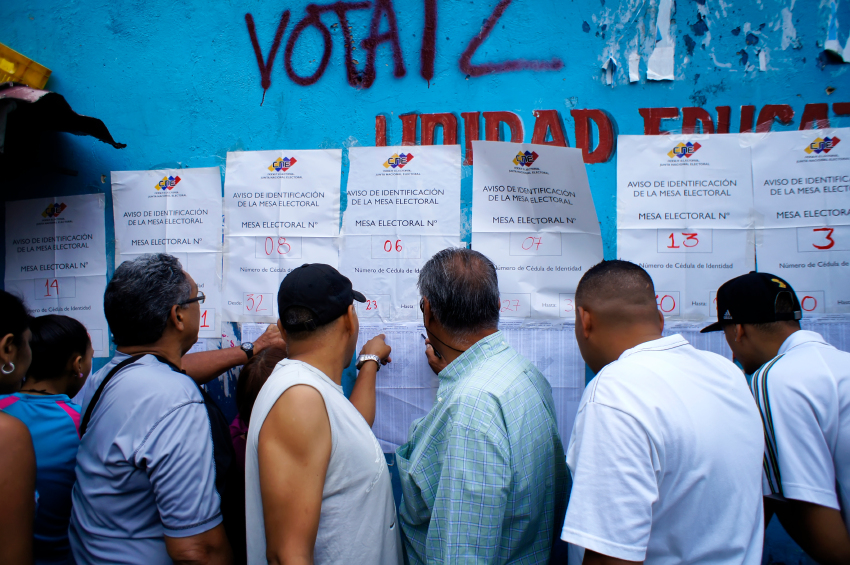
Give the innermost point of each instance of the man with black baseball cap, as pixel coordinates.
(802, 388)
(317, 485)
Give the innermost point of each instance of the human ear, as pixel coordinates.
(77, 365)
(8, 350)
(740, 332)
(583, 319)
(176, 317)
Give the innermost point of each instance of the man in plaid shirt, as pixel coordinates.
(484, 472)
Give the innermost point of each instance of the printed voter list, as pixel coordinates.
(685, 214)
(533, 216)
(179, 212)
(281, 211)
(403, 207)
(56, 259)
(801, 185)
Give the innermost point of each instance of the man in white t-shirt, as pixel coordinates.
(665, 463)
(317, 486)
(802, 387)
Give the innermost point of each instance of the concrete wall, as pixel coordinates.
(181, 82)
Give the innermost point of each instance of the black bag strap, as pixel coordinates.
(99, 392)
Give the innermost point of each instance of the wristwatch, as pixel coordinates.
(248, 348)
(363, 358)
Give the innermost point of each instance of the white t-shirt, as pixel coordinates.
(804, 398)
(357, 523)
(666, 457)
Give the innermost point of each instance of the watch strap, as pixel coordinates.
(368, 357)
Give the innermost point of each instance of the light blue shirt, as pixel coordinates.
(145, 466)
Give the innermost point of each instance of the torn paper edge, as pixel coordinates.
(634, 66)
(831, 43)
(660, 63)
(609, 66)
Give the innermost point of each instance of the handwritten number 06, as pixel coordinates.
(388, 245)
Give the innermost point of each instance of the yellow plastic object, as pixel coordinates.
(15, 67)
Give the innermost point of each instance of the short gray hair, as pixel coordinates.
(139, 297)
(463, 290)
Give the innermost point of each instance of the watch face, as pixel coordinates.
(248, 346)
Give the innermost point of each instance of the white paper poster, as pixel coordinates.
(281, 211)
(533, 216)
(179, 212)
(801, 183)
(56, 259)
(405, 389)
(403, 207)
(684, 213)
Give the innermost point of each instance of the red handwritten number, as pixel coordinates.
(282, 246)
(662, 304)
(828, 238)
(814, 303)
(689, 237)
(249, 298)
(570, 307)
(371, 305)
(388, 246)
(54, 285)
(532, 242)
(510, 306)
(672, 243)
(204, 320)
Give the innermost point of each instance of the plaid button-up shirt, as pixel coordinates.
(484, 472)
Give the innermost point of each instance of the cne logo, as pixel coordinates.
(684, 150)
(822, 145)
(167, 183)
(525, 159)
(398, 161)
(53, 210)
(283, 164)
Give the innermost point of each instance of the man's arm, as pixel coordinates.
(363, 394)
(205, 366)
(593, 558)
(208, 548)
(17, 491)
(294, 450)
(818, 530)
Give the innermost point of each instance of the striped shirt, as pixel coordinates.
(803, 395)
(483, 474)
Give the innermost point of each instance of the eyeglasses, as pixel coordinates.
(199, 299)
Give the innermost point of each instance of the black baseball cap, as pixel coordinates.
(319, 288)
(751, 299)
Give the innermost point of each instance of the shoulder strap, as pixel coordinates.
(85, 423)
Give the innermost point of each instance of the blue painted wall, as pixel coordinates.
(179, 82)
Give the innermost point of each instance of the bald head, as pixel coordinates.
(618, 293)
